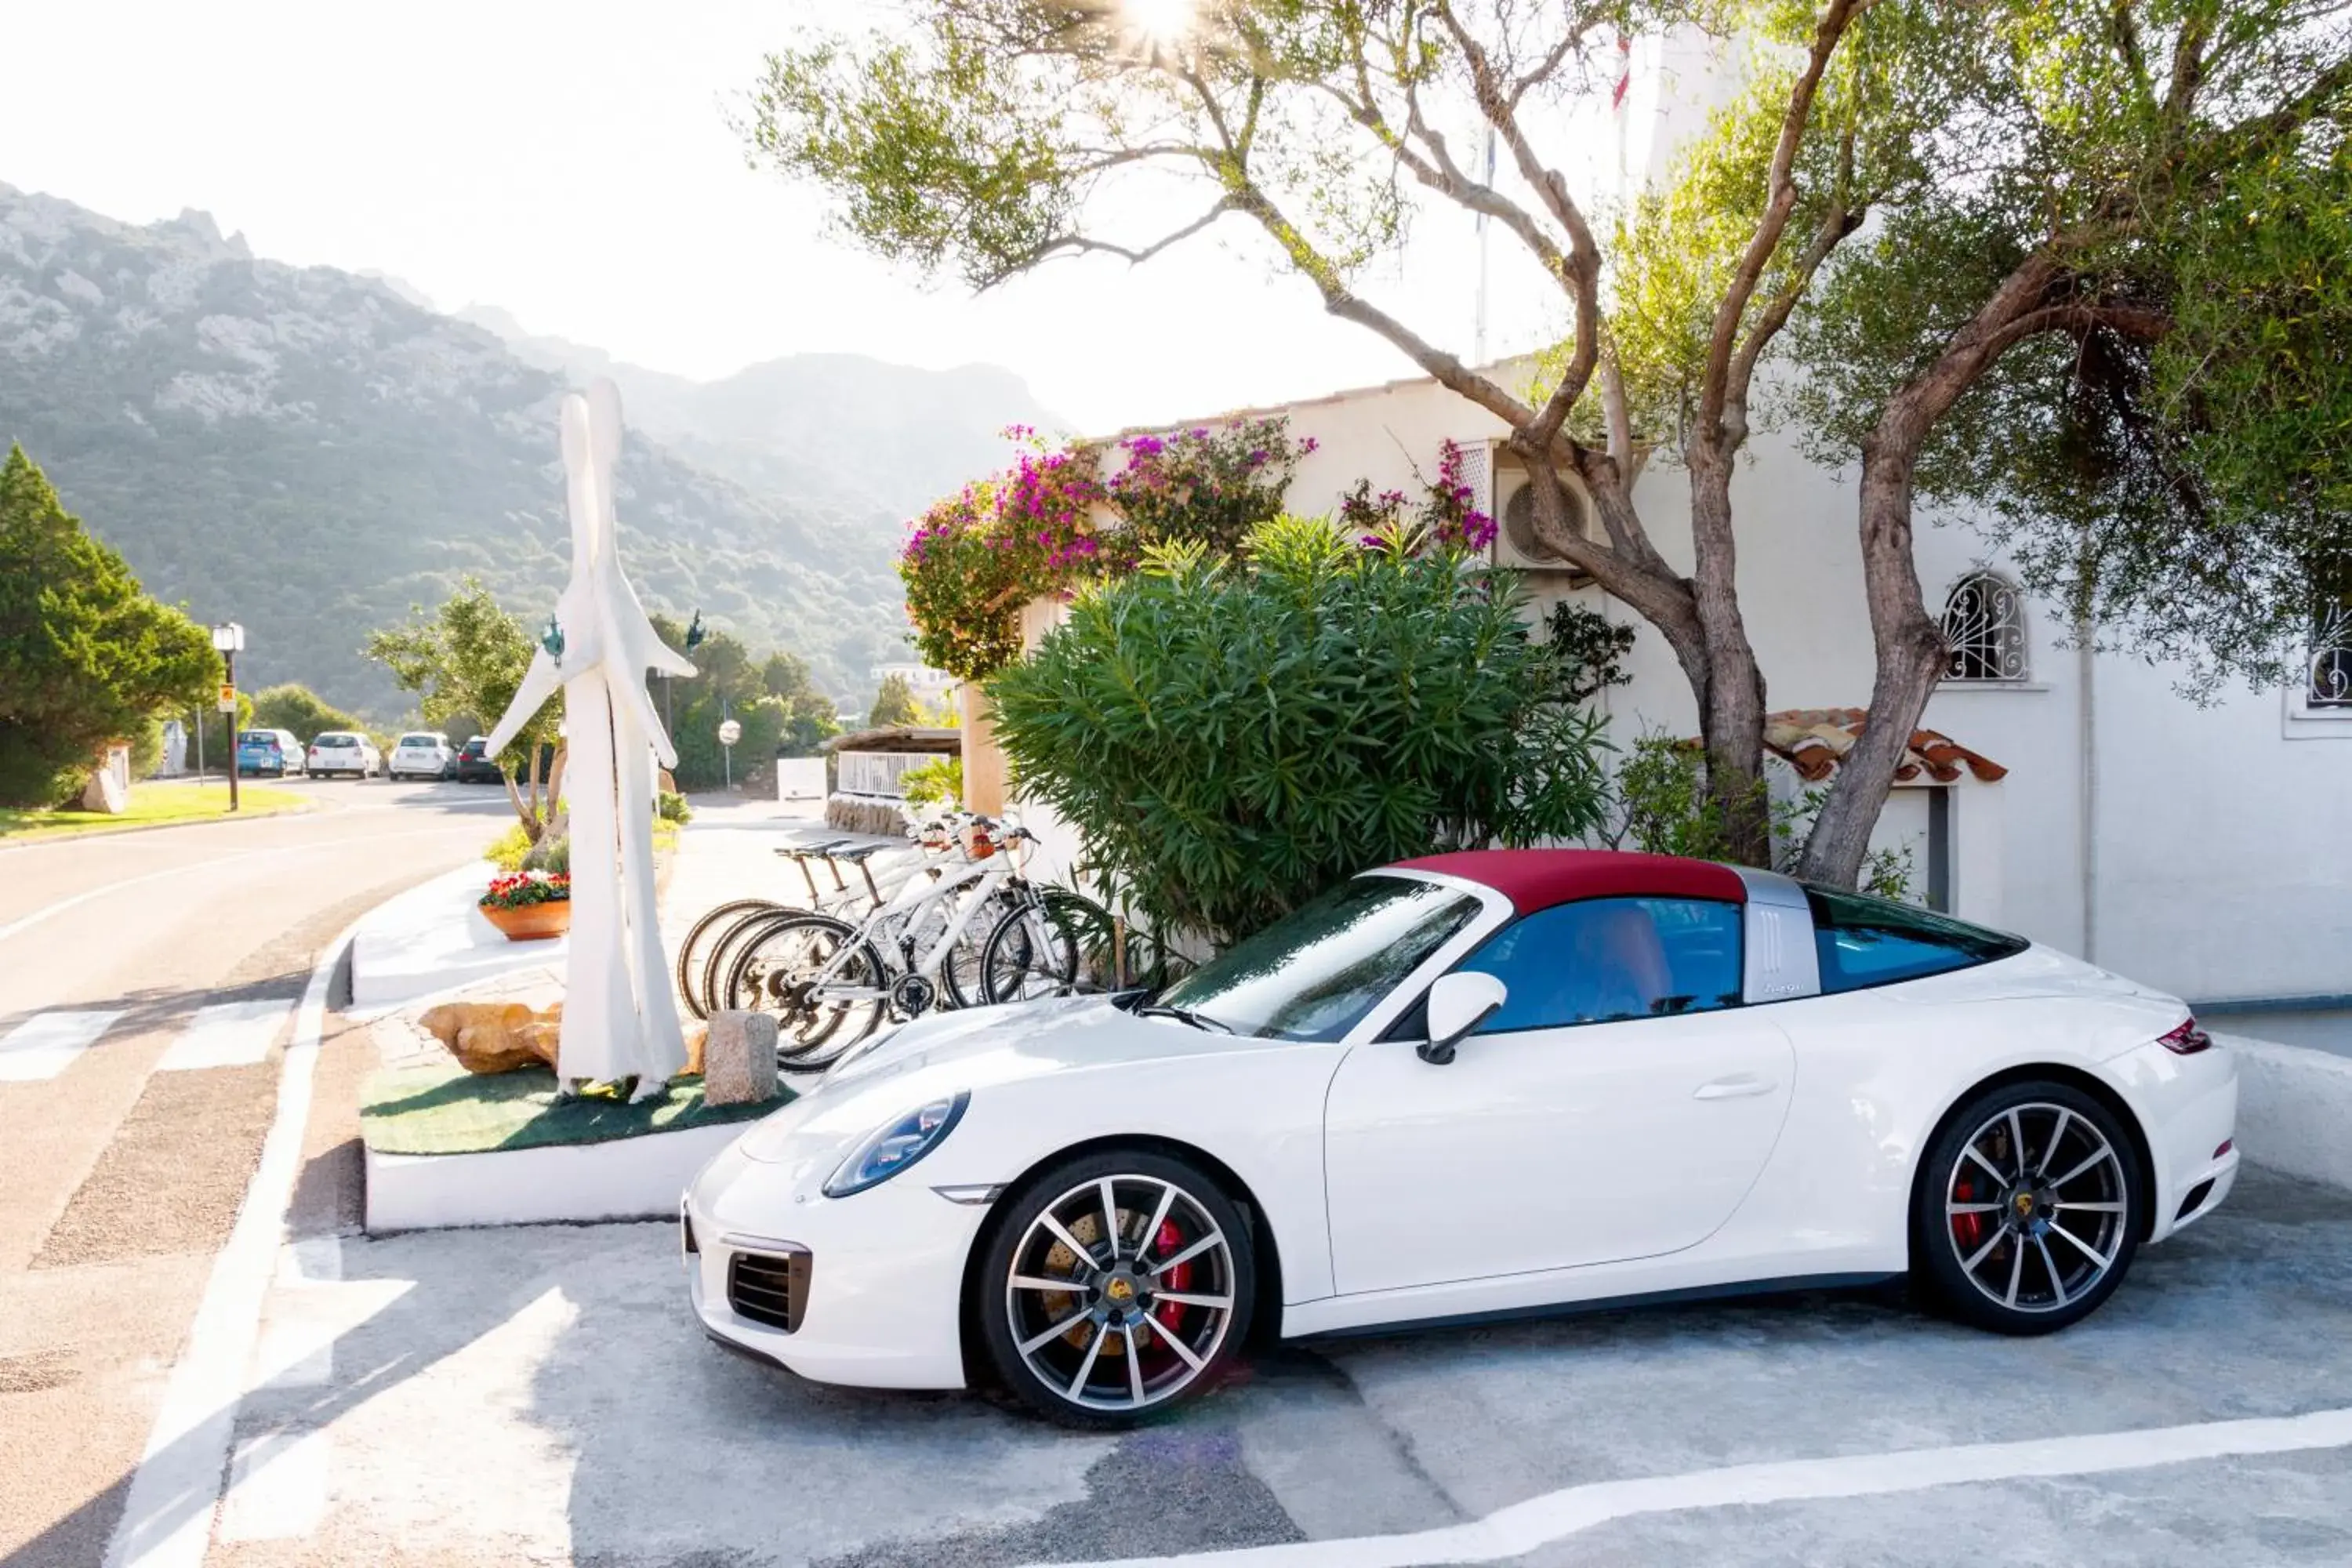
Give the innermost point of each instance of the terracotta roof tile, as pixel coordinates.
(1815, 739)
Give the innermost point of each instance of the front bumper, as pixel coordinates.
(883, 1273)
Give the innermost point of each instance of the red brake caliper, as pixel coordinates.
(1178, 1279)
(1967, 1229)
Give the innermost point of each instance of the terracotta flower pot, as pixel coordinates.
(531, 922)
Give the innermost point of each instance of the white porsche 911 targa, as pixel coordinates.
(1469, 1086)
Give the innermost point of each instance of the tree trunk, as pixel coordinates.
(1731, 704)
(1699, 617)
(1909, 646)
(559, 820)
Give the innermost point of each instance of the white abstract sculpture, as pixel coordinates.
(619, 1019)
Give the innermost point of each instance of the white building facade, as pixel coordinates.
(2204, 849)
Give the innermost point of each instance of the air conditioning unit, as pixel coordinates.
(1513, 512)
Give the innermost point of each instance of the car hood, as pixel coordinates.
(975, 1049)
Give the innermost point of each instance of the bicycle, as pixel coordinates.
(830, 982)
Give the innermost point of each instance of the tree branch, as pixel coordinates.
(1582, 272)
(1714, 388)
(1078, 243)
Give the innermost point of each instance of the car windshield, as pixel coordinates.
(420, 739)
(257, 737)
(1313, 974)
(333, 741)
(476, 748)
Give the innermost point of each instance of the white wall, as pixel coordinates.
(2223, 855)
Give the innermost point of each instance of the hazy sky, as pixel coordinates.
(572, 164)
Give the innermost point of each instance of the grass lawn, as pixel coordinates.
(441, 1109)
(151, 804)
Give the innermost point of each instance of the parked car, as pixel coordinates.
(274, 752)
(475, 763)
(1473, 1085)
(344, 751)
(421, 755)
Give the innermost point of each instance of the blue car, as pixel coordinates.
(272, 751)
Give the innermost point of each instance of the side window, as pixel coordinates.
(1606, 959)
(1865, 941)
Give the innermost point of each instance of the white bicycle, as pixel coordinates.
(830, 984)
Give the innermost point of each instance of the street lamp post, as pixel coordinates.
(228, 638)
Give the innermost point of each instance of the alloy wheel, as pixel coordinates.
(1121, 1293)
(2035, 1207)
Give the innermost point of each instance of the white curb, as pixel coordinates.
(2294, 1108)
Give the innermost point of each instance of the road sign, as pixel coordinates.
(730, 732)
(227, 698)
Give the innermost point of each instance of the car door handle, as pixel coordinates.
(1737, 1085)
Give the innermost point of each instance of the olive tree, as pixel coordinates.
(988, 138)
(2116, 326)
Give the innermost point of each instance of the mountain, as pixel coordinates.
(834, 427)
(311, 451)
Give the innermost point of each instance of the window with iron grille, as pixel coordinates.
(1984, 627)
(2330, 667)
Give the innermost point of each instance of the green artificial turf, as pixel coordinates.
(444, 1110)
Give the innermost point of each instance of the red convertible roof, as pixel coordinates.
(1538, 878)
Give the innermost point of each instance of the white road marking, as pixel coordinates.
(227, 1034)
(278, 1487)
(167, 1517)
(1526, 1527)
(45, 1044)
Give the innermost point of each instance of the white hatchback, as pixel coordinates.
(421, 755)
(344, 751)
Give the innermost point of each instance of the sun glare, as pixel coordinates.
(1160, 22)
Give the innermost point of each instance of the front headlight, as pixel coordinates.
(895, 1145)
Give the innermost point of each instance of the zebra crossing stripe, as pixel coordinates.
(45, 1044)
(227, 1034)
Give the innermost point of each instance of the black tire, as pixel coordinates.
(725, 946)
(694, 953)
(1059, 945)
(774, 972)
(1101, 1355)
(2028, 1209)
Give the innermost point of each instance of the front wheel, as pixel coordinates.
(1054, 944)
(1115, 1286)
(2029, 1210)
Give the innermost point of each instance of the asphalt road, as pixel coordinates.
(542, 1395)
(147, 982)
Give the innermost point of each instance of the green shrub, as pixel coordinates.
(1232, 740)
(1660, 805)
(936, 782)
(672, 807)
(508, 850)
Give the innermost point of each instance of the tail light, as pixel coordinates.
(2185, 1040)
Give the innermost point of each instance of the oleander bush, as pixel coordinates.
(1233, 736)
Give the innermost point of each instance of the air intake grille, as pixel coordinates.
(769, 1289)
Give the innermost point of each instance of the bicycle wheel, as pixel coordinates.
(824, 984)
(963, 970)
(693, 954)
(1057, 944)
(729, 946)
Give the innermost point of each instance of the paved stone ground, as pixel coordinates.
(539, 1395)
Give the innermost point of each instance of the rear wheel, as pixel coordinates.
(826, 985)
(2029, 1210)
(1115, 1286)
(694, 953)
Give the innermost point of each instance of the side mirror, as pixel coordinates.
(1458, 1004)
